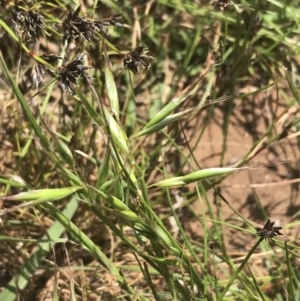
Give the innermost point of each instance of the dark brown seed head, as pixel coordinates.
(68, 75)
(268, 231)
(28, 24)
(39, 70)
(137, 58)
(78, 28)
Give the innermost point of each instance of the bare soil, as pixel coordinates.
(272, 183)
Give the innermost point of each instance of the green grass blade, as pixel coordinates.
(238, 270)
(43, 195)
(290, 283)
(195, 176)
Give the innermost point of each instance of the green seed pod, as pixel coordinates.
(175, 251)
(43, 195)
(162, 234)
(128, 215)
(116, 203)
(206, 173)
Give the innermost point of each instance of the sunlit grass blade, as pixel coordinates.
(171, 106)
(257, 287)
(12, 182)
(19, 239)
(221, 295)
(43, 195)
(170, 119)
(164, 123)
(122, 209)
(195, 176)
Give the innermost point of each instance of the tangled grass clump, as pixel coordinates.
(129, 172)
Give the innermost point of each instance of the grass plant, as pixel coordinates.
(104, 187)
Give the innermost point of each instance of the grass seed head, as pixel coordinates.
(28, 24)
(83, 28)
(39, 69)
(78, 28)
(137, 58)
(68, 75)
(268, 231)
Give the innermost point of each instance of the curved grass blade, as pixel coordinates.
(171, 106)
(237, 272)
(195, 176)
(163, 119)
(42, 195)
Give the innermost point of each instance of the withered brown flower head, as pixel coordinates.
(137, 58)
(78, 28)
(28, 24)
(221, 4)
(82, 28)
(39, 71)
(268, 231)
(68, 75)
